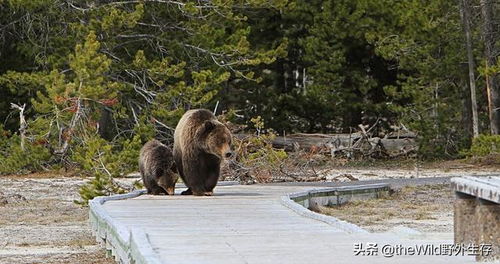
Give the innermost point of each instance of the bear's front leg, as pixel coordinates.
(212, 178)
(194, 179)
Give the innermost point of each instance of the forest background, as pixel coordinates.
(85, 84)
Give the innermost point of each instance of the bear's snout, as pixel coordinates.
(228, 154)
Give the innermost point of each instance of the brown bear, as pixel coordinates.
(157, 167)
(200, 143)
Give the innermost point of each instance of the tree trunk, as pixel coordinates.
(492, 81)
(465, 15)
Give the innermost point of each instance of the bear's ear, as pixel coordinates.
(208, 126)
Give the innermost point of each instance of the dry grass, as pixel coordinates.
(42, 212)
(427, 208)
(72, 258)
(44, 175)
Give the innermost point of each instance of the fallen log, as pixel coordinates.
(395, 146)
(350, 145)
(347, 144)
(318, 141)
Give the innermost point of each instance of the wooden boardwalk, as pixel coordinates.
(240, 224)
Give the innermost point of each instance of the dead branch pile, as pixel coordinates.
(300, 157)
(297, 167)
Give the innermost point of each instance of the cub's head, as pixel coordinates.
(217, 139)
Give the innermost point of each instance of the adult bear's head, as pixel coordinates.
(216, 139)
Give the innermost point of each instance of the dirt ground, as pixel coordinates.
(426, 208)
(39, 223)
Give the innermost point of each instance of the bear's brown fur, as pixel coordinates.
(157, 168)
(200, 143)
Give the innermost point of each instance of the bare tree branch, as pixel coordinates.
(22, 123)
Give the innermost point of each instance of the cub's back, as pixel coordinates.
(154, 153)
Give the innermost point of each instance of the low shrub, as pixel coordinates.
(485, 145)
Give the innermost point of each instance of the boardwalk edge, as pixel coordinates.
(289, 201)
(126, 246)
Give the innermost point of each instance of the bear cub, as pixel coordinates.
(200, 144)
(157, 167)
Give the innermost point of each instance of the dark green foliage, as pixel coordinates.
(355, 62)
(485, 149)
(101, 78)
(485, 145)
(100, 185)
(15, 160)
